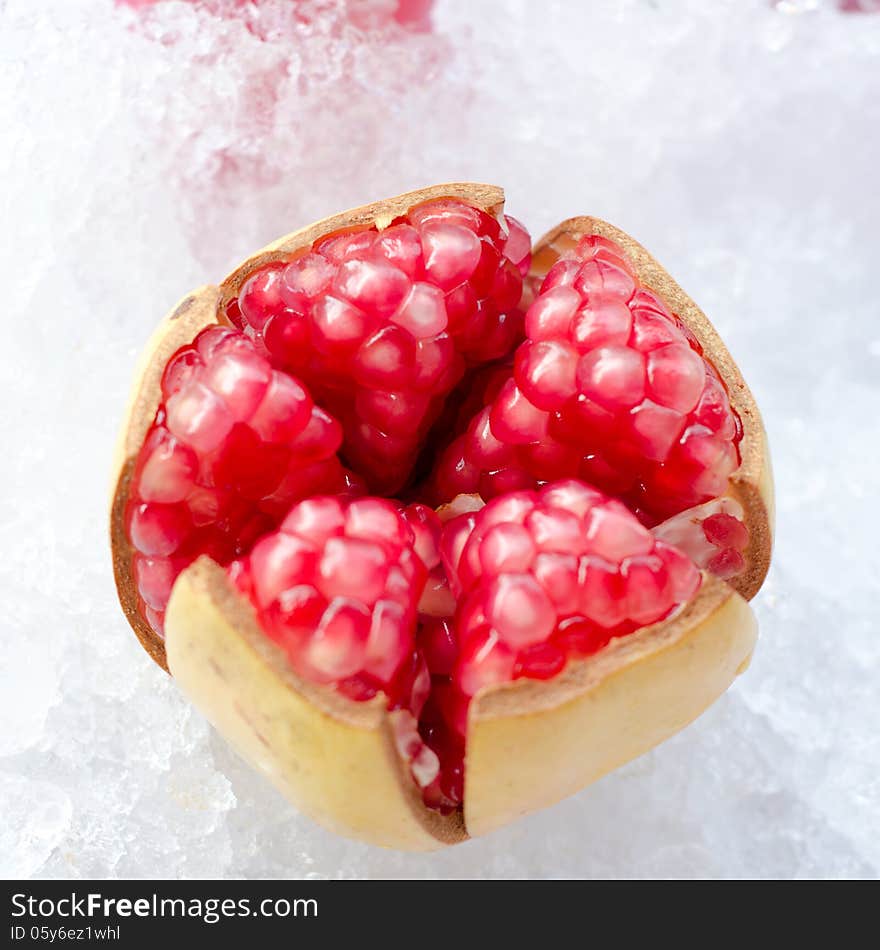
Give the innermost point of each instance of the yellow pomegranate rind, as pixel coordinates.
(530, 743)
(182, 325)
(333, 758)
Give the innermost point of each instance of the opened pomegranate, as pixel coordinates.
(437, 530)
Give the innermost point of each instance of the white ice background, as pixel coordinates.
(738, 140)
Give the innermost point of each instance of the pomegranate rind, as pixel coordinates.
(207, 306)
(334, 759)
(752, 483)
(531, 744)
(180, 327)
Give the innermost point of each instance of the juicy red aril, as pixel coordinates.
(439, 645)
(158, 529)
(518, 246)
(381, 325)
(608, 386)
(541, 661)
(727, 563)
(261, 297)
(726, 531)
(154, 577)
(169, 471)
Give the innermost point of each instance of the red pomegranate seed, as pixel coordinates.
(154, 577)
(727, 563)
(578, 638)
(724, 530)
(439, 646)
(518, 246)
(168, 468)
(261, 297)
(540, 662)
(483, 660)
(158, 530)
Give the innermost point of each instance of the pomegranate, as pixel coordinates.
(436, 529)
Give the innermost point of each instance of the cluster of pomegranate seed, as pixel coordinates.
(581, 453)
(234, 444)
(338, 587)
(608, 386)
(542, 575)
(381, 325)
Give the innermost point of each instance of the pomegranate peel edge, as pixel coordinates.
(532, 744)
(333, 758)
